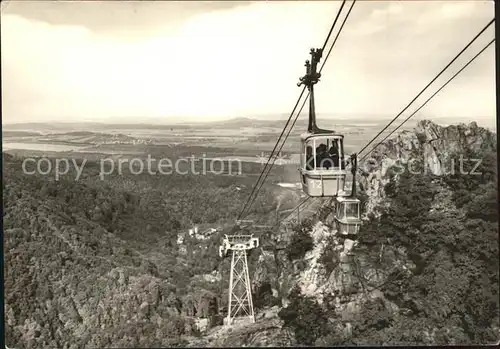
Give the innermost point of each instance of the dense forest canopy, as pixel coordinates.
(78, 252)
(447, 226)
(99, 261)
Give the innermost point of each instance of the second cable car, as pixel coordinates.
(347, 212)
(322, 166)
(347, 215)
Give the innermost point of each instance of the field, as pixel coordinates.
(243, 144)
(239, 136)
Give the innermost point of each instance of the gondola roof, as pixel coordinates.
(308, 135)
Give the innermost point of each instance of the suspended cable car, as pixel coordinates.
(322, 165)
(347, 215)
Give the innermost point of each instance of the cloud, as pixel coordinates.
(239, 61)
(213, 65)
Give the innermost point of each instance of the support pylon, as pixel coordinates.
(240, 292)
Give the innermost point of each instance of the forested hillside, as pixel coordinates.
(96, 263)
(426, 266)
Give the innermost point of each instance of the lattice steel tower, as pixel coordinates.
(240, 291)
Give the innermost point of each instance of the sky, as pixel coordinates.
(170, 61)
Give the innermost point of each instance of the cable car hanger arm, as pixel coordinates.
(309, 80)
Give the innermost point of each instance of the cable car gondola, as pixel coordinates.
(347, 215)
(322, 165)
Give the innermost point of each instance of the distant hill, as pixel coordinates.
(7, 156)
(50, 126)
(327, 121)
(79, 133)
(92, 137)
(19, 133)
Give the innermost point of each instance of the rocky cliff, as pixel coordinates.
(439, 148)
(342, 274)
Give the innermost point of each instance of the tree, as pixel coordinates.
(301, 241)
(264, 296)
(305, 316)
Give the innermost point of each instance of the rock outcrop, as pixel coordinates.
(267, 331)
(355, 278)
(439, 148)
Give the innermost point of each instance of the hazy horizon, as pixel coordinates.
(171, 62)
(486, 123)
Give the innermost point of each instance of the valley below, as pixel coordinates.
(129, 258)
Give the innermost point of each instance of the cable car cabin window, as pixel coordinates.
(348, 210)
(342, 160)
(303, 155)
(308, 157)
(352, 210)
(323, 153)
(339, 210)
(309, 154)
